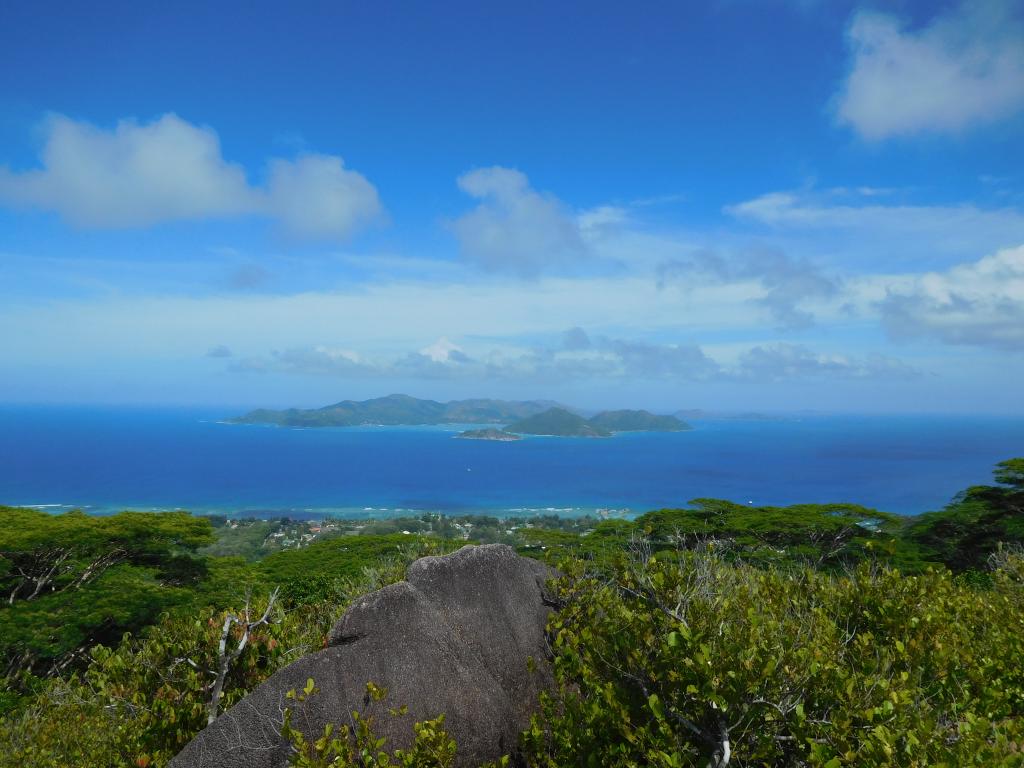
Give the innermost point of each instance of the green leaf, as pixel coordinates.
(656, 707)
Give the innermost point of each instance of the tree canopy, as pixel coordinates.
(964, 534)
(74, 579)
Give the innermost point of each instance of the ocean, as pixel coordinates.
(108, 459)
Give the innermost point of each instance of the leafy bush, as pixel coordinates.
(139, 703)
(356, 745)
(684, 659)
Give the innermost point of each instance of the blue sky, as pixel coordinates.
(770, 205)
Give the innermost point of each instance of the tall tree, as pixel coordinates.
(976, 522)
(71, 580)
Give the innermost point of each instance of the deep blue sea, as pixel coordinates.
(106, 459)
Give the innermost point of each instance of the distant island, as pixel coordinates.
(490, 433)
(399, 410)
(521, 417)
(559, 422)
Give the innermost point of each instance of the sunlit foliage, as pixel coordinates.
(810, 635)
(685, 658)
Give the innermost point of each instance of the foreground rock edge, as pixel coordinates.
(464, 635)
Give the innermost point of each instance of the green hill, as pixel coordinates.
(637, 421)
(395, 410)
(557, 422)
(483, 411)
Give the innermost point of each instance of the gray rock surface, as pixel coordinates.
(454, 639)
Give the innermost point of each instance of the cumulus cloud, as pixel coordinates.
(577, 356)
(638, 359)
(515, 228)
(979, 303)
(133, 175)
(604, 357)
(316, 196)
(321, 360)
(440, 360)
(655, 361)
(786, 282)
(964, 68)
(776, 362)
(139, 174)
(444, 351)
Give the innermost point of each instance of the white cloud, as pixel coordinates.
(134, 175)
(597, 221)
(979, 303)
(964, 68)
(781, 361)
(443, 351)
(877, 235)
(787, 283)
(316, 361)
(515, 228)
(789, 209)
(315, 196)
(609, 359)
(653, 361)
(139, 174)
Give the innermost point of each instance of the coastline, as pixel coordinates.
(271, 512)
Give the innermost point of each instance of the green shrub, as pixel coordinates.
(677, 657)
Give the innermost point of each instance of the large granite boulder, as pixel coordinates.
(455, 638)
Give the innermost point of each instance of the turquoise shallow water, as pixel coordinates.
(105, 459)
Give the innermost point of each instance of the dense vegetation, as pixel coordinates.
(558, 422)
(562, 423)
(71, 581)
(397, 410)
(685, 658)
(637, 421)
(817, 635)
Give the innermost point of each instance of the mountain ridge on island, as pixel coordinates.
(399, 410)
(637, 421)
(560, 422)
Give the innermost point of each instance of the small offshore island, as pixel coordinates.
(498, 435)
(526, 417)
(559, 422)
